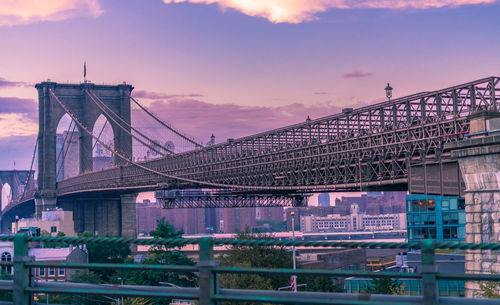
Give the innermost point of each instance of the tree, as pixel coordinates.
(162, 255)
(51, 244)
(105, 253)
(385, 285)
(255, 257)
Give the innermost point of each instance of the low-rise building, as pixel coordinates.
(355, 221)
(49, 255)
(51, 221)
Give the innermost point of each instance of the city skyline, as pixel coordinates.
(314, 59)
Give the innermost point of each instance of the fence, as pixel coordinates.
(208, 292)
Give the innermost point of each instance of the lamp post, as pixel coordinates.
(388, 91)
(294, 277)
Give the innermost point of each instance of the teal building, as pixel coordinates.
(436, 217)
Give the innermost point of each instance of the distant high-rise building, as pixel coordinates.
(324, 200)
(67, 155)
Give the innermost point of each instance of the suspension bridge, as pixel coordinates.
(393, 145)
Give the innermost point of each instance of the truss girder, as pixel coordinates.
(369, 145)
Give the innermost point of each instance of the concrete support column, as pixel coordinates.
(479, 161)
(128, 215)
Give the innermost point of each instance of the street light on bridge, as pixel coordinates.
(388, 91)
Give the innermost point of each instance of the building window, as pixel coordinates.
(53, 229)
(41, 272)
(61, 271)
(6, 257)
(52, 271)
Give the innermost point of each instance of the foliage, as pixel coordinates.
(256, 257)
(134, 301)
(162, 255)
(319, 283)
(51, 244)
(269, 225)
(385, 286)
(104, 253)
(5, 295)
(489, 290)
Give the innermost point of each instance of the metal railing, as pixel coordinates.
(208, 293)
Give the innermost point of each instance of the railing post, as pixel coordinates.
(21, 272)
(207, 279)
(429, 271)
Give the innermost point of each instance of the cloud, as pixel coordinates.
(4, 83)
(356, 74)
(16, 12)
(16, 124)
(161, 96)
(297, 11)
(27, 107)
(320, 93)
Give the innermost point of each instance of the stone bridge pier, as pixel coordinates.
(106, 216)
(479, 161)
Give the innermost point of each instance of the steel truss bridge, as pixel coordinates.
(359, 149)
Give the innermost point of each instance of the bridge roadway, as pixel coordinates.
(359, 149)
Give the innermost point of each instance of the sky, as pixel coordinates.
(237, 67)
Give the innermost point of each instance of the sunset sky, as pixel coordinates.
(237, 67)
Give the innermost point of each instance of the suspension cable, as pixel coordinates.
(64, 141)
(66, 150)
(110, 111)
(129, 160)
(125, 129)
(31, 169)
(198, 145)
(100, 133)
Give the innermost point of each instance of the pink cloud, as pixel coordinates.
(32, 11)
(356, 74)
(4, 83)
(297, 11)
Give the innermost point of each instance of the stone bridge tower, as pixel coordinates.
(16, 180)
(73, 96)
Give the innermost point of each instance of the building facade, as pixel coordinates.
(436, 217)
(356, 221)
(51, 221)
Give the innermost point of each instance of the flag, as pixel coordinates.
(84, 69)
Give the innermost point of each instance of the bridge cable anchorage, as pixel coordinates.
(110, 111)
(98, 103)
(65, 150)
(180, 134)
(129, 160)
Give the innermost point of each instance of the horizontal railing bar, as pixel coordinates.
(121, 290)
(6, 285)
(466, 301)
(309, 295)
(7, 303)
(293, 299)
(114, 266)
(469, 277)
(175, 242)
(265, 271)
